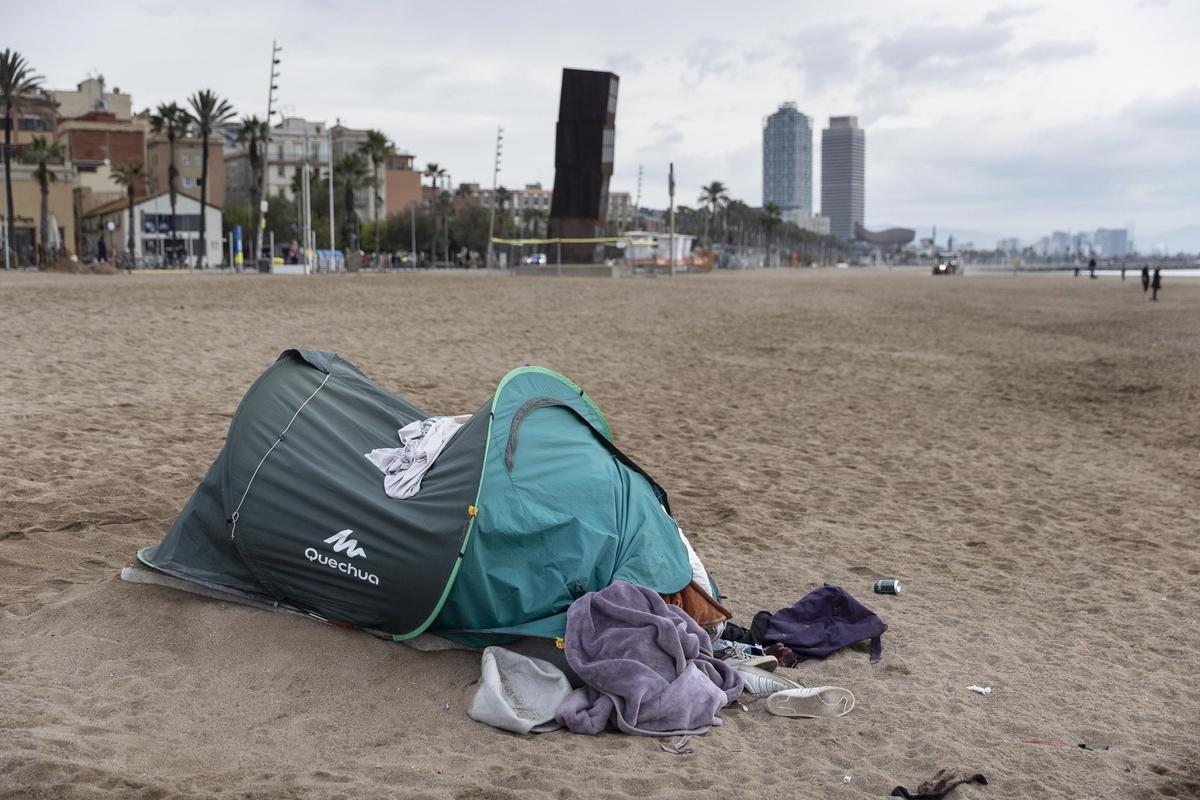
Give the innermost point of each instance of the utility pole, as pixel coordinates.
(266, 146)
(637, 200)
(332, 249)
(495, 179)
(412, 254)
(306, 193)
(671, 218)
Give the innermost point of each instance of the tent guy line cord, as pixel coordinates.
(249, 483)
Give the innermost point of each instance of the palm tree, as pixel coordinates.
(206, 113)
(254, 132)
(354, 174)
(377, 148)
(771, 218)
(716, 196)
(435, 173)
(130, 176)
(42, 152)
(171, 119)
(446, 206)
(532, 219)
(16, 80)
(502, 199)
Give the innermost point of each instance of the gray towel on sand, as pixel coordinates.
(518, 693)
(648, 666)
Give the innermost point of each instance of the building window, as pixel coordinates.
(161, 223)
(281, 170)
(189, 182)
(32, 124)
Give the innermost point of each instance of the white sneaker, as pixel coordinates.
(817, 701)
(760, 683)
(769, 663)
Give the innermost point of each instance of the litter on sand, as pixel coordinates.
(981, 689)
(679, 747)
(942, 783)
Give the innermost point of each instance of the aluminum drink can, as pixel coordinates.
(887, 586)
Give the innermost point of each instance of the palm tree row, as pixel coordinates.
(206, 111)
(719, 219)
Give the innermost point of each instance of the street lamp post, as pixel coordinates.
(495, 178)
(266, 153)
(671, 222)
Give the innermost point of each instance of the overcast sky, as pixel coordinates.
(1007, 118)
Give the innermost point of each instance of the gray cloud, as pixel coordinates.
(1056, 50)
(709, 56)
(824, 53)
(1005, 13)
(1176, 112)
(942, 47)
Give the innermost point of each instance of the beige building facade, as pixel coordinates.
(92, 95)
(27, 200)
(189, 160)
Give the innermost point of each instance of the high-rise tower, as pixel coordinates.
(843, 153)
(787, 161)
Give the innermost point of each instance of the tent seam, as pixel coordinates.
(235, 516)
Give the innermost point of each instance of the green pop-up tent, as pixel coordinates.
(528, 506)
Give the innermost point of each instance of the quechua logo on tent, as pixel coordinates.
(342, 542)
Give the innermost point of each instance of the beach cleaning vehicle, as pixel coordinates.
(946, 264)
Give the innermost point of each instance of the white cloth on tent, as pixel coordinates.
(518, 693)
(699, 573)
(420, 444)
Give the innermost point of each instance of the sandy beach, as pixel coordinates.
(1021, 452)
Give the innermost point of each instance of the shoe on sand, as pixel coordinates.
(817, 701)
(760, 683)
(769, 663)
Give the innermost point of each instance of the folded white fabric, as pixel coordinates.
(518, 693)
(420, 443)
(699, 573)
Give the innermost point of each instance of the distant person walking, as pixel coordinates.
(1092, 267)
(1122, 270)
(1156, 284)
(1145, 278)
(1077, 269)
(101, 250)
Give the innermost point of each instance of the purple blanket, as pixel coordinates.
(648, 666)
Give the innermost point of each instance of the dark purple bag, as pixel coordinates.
(826, 620)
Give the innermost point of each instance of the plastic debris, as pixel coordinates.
(846, 779)
(981, 689)
(679, 747)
